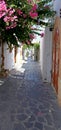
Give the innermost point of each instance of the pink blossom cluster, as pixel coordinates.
(12, 25)
(31, 36)
(8, 15)
(42, 34)
(28, 42)
(10, 19)
(19, 12)
(34, 8)
(33, 13)
(3, 8)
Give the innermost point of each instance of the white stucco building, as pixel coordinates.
(46, 55)
(46, 47)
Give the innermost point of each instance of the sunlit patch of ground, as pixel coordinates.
(19, 70)
(18, 66)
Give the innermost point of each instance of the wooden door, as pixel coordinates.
(55, 58)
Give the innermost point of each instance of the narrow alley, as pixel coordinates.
(26, 103)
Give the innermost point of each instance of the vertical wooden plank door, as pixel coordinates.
(55, 58)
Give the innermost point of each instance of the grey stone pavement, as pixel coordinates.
(26, 103)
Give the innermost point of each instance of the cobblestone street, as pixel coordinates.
(26, 103)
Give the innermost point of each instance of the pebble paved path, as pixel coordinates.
(26, 103)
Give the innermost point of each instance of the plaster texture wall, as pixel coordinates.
(9, 58)
(46, 55)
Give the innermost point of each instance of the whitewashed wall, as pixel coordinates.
(46, 55)
(19, 56)
(9, 58)
(41, 53)
(57, 6)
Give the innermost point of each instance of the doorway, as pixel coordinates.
(55, 58)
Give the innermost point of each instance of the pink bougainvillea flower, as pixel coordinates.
(10, 19)
(2, 14)
(19, 12)
(13, 25)
(33, 14)
(34, 8)
(28, 42)
(10, 11)
(24, 15)
(31, 36)
(3, 8)
(3, 5)
(42, 34)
